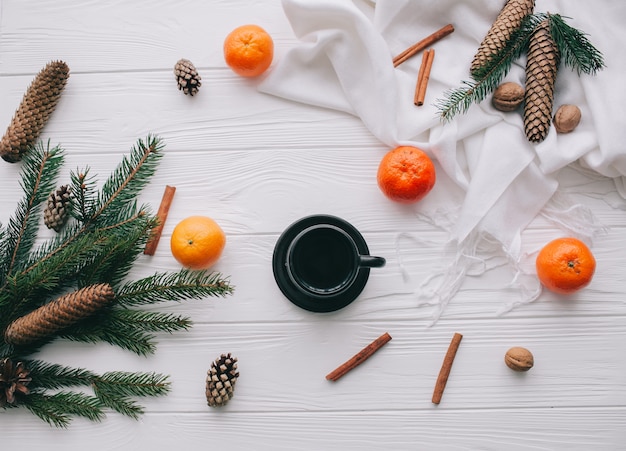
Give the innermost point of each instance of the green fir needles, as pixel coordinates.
(576, 51)
(53, 289)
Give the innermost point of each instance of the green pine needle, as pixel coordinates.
(115, 390)
(53, 376)
(58, 409)
(39, 173)
(576, 50)
(179, 286)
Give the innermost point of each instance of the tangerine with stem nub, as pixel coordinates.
(248, 50)
(197, 242)
(406, 174)
(565, 265)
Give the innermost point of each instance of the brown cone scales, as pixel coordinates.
(221, 378)
(58, 314)
(187, 77)
(55, 214)
(541, 68)
(37, 105)
(509, 19)
(13, 381)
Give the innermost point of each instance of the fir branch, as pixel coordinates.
(106, 327)
(179, 286)
(115, 389)
(58, 409)
(129, 178)
(126, 177)
(53, 376)
(576, 50)
(487, 78)
(39, 173)
(127, 329)
(44, 407)
(127, 384)
(83, 187)
(116, 259)
(151, 321)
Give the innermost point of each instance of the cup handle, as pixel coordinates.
(370, 261)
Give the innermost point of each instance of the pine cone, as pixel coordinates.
(13, 380)
(58, 314)
(541, 68)
(187, 77)
(220, 382)
(55, 213)
(37, 105)
(509, 19)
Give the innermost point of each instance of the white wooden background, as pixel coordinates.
(256, 163)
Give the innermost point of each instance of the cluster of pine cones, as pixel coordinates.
(543, 60)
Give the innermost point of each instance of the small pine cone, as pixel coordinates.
(14, 379)
(187, 77)
(58, 314)
(220, 381)
(37, 105)
(541, 68)
(55, 214)
(509, 19)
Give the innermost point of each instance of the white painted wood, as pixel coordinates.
(256, 163)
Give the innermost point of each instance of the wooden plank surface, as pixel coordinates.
(257, 163)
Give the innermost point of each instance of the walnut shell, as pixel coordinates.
(519, 359)
(567, 118)
(508, 96)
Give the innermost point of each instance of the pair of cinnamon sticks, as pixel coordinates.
(375, 345)
(427, 60)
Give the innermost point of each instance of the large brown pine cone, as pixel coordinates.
(58, 314)
(541, 69)
(509, 19)
(37, 105)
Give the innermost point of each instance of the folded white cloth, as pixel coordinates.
(344, 61)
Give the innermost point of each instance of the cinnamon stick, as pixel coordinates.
(423, 77)
(421, 45)
(442, 379)
(164, 209)
(359, 358)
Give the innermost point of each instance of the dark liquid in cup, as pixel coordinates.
(323, 259)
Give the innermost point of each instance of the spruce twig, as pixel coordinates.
(162, 287)
(40, 170)
(577, 52)
(486, 79)
(115, 390)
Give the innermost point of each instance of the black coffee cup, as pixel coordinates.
(321, 263)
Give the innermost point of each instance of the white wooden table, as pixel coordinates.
(256, 163)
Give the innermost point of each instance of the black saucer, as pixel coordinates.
(311, 302)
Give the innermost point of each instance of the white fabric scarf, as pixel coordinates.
(344, 62)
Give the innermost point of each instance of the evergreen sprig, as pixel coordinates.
(576, 50)
(487, 78)
(105, 236)
(41, 168)
(179, 286)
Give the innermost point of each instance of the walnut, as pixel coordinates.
(508, 96)
(566, 118)
(519, 359)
